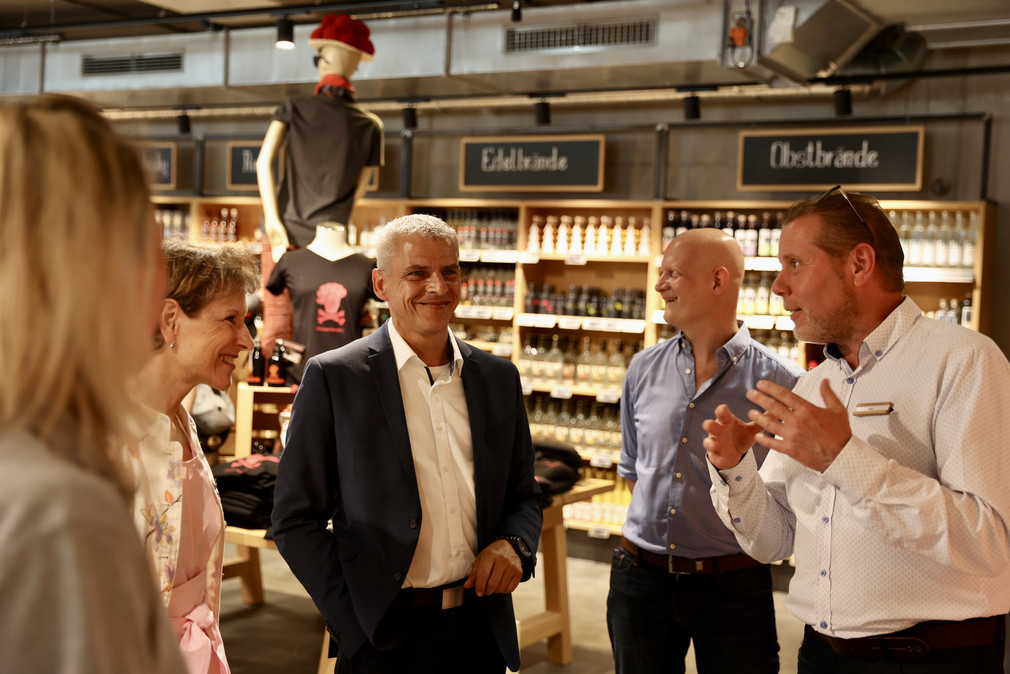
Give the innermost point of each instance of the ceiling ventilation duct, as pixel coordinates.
(832, 36)
(895, 50)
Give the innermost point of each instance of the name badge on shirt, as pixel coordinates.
(873, 409)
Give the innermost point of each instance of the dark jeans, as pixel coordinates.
(817, 657)
(432, 641)
(653, 616)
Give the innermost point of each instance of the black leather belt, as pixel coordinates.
(681, 565)
(917, 641)
(445, 597)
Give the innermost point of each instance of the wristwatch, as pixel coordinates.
(519, 545)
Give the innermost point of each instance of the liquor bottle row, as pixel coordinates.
(589, 427)
(783, 343)
(756, 297)
(571, 361)
(757, 236)
(488, 285)
(937, 239)
(953, 311)
(585, 301)
(592, 235)
(223, 229)
(484, 230)
(483, 332)
(609, 509)
(174, 224)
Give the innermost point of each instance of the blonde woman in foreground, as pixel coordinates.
(82, 281)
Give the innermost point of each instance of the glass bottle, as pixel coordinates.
(257, 365)
(970, 237)
(598, 370)
(916, 243)
(929, 241)
(954, 244)
(571, 356)
(765, 235)
(561, 428)
(577, 426)
(537, 419)
(584, 364)
(591, 434)
(555, 363)
(533, 242)
(616, 366)
(277, 366)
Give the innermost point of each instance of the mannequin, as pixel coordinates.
(333, 147)
(340, 133)
(330, 242)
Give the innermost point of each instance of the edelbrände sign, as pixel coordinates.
(532, 164)
(878, 159)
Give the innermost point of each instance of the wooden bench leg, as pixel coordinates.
(246, 565)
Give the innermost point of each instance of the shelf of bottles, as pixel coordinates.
(603, 516)
(580, 239)
(568, 366)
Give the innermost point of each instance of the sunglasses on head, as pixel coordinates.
(838, 188)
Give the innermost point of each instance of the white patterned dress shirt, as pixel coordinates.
(910, 521)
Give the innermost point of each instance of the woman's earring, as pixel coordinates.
(172, 345)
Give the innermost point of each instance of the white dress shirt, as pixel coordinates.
(440, 442)
(910, 521)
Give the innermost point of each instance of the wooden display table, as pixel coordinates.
(256, 414)
(554, 623)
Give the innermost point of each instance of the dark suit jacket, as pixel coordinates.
(348, 458)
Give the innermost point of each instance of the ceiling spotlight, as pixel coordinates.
(182, 121)
(285, 34)
(410, 117)
(517, 11)
(542, 113)
(692, 107)
(843, 102)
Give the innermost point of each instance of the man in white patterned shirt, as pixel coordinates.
(890, 479)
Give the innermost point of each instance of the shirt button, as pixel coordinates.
(397, 576)
(691, 405)
(687, 371)
(413, 522)
(678, 475)
(673, 511)
(824, 519)
(738, 478)
(440, 427)
(736, 520)
(734, 359)
(683, 440)
(879, 353)
(823, 573)
(824, 625)
(672, 546)
(453, 510)
(850, 380)
(445, 469)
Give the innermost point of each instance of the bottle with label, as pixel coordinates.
(966, 311)
(970, 237)
(562, 426)
(945, 233)
(584, 364)
(955, 248)
(917, 241)
(684, 224)
(751, 237)
(670, 228)
(903, 225)
(554, 367)
(776, 234)
(762, 296)
(930, 241)
(533, 242)
(598, 370)
(277, 368)
(645, 238)
(537, 419)
(564, 235)
(616, 367)
(728, 223)
(257, 365)
(617, 237)
(576, 247)
(765, 235)
(577, 426)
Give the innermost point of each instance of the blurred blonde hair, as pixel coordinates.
(77, 239)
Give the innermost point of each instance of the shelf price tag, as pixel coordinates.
(526, 320)
(602, 459)
(569, 322)
(657, 317)
(469, 255)
(527, 387)
(500, 256)
(526, 257)
(599, 531)
(544, 320)
(783, 323)
(562, 392)
(632, 325)
(593, 324)
(610, 324)
(481, 312)
(502, 313)
(577, 260)
(609, 396)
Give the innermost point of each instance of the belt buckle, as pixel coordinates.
(452, 597)
(699, 567)
(906, 647)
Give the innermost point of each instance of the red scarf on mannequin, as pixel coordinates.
(330, 86)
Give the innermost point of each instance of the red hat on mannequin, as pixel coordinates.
(343, 31)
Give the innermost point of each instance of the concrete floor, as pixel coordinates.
(284, 635)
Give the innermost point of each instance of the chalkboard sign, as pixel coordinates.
(532, 164)
(242, 157)
(879, 158)
(158, 160)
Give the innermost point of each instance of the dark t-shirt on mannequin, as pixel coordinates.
(329, 142)
(327, 296)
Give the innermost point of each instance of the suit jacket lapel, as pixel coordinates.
(382, 361)
(473, 390)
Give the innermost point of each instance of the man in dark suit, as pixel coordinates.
(418, 448)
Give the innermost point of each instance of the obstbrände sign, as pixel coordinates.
(871, 158)
(532, 164)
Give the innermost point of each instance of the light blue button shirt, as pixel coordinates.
(671, 510)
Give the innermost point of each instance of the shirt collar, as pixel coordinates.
(884, 336)
(403, 352)
(733, 350)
